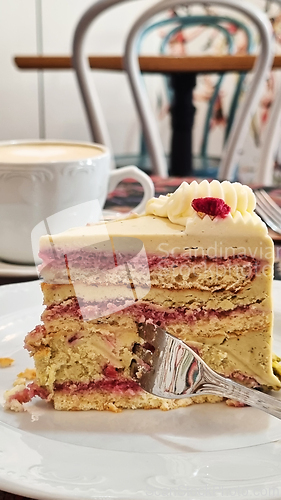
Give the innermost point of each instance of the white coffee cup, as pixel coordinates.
(41, 178)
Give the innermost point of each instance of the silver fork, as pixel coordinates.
(268, 210)
(172, 370)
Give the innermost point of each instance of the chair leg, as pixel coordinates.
(182, 116)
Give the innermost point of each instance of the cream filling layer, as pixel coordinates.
(258, 293)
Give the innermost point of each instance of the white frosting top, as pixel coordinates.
(178, 209)
(241, 222)
(177, 206)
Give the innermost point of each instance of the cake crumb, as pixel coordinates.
(23, 377)
(12, 403)
(112, 407)
(235, 404)
(19, 385)
(5, 362)
(28, 374)
(19, 381)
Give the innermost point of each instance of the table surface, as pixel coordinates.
(148, 64)
(132, 192)
(179, 68)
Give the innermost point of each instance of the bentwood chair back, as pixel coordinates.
(96, 120)
(227, 169)
(217, 22)
(270, 142)
(271, 139)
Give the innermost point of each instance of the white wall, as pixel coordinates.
(64, 115)
(18, 91)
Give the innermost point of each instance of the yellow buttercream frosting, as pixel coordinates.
(178, 209)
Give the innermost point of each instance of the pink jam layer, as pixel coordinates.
(155, 261)
(244, 379)
(119, 386)
(84, 310)
(106, 261)
(141, 311)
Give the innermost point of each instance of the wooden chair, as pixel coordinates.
(271, 139)
(208, 165)
(93, 110)
(227, 169)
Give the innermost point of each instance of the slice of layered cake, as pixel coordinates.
(199, 264)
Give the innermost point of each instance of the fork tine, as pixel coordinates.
(270, 200)
(169, 363)
(268, 211)
(266, 218)
(179, 372)
(272, 206)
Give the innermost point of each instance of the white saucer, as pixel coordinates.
(17, 270)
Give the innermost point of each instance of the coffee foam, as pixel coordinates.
(46, 153)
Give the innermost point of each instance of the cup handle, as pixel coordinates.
(118, 175)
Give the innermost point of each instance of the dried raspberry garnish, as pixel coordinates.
(214, 207)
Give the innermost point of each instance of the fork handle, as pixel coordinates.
(243, 394)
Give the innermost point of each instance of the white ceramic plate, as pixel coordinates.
(204, 451)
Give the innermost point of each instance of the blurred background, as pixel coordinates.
(47, 104)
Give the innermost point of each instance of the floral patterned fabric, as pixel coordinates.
(207, 40)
